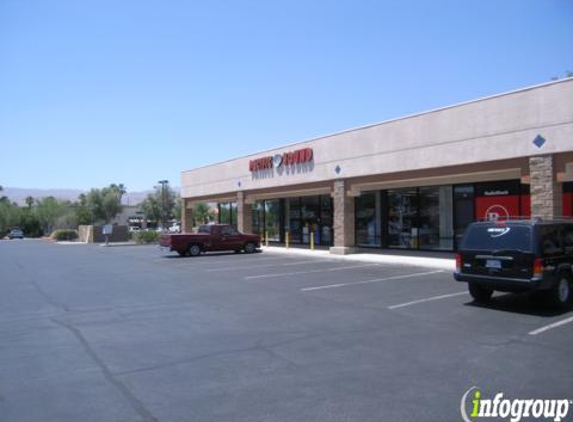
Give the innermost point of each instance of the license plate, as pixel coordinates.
(493, 263)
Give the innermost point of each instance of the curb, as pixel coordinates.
(439, 263)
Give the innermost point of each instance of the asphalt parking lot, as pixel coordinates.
(134, 334)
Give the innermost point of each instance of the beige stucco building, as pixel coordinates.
(412, 183)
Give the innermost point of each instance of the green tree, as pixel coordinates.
(29, 222)
(178, 208)
(49, 210)
(104, 204)
(161, 202)
(3, 198)
(82, 210)
(203, 213)
(9, 215)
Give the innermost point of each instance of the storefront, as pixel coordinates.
(434, 217)
(412, 183)
(300, 217)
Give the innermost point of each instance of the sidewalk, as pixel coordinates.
(407, 258)
(109, 245)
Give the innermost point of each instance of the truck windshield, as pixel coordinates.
(498, 238)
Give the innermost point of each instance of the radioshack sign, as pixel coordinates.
(288, 159)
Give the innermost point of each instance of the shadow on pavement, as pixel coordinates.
(213, 254)
(523, 303)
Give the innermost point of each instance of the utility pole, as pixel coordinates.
(163, 205)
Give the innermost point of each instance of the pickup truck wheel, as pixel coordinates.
(560, 294)
(480, 293)
(194, 250)
(250, 247)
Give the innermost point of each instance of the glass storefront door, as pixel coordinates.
(463, 209)
(403, 218)
(308, 216)
(325, 234)
(310, 212)
(272, 220)
(368, 219)
(436, 230)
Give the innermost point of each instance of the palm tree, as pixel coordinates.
(29, 201)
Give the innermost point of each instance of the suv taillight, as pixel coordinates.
(458, 263)
(538, 267)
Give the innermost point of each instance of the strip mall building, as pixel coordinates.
(411, 183)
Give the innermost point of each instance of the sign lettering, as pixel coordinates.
(291, 158)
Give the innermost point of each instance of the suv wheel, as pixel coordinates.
(480, 293)
(194, 250)
(250, 247)
(560, 294)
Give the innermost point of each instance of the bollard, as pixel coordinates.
(267, 238)
(287, 239)
(312, 241)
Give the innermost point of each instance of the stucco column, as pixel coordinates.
(244, 214)
(187, 216)
(343, 220)
(546, 192)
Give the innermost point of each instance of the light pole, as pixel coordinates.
(163, 216)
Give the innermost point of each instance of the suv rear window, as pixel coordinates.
(500, 237)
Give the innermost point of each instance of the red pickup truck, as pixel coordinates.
(211, 237)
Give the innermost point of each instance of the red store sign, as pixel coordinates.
(299, 156)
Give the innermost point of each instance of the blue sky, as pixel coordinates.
(97, 92)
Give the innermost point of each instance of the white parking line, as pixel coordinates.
(238, 267)
(551, 326)
(428, 299)
(375, 280)
(310, 271)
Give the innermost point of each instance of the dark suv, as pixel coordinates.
(518, 256)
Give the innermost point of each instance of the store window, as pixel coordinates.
(293, 219)
(368, 219)
(435, 231)
(403, 218)
(272, 220)
(258, 218)
(228, 213)
(464, 212)
(310, 211)
(326, 233)
(497, 200)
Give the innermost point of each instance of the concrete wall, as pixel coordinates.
(93, 234)
(491, 129)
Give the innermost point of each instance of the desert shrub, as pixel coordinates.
(146, 236)
(64, 234)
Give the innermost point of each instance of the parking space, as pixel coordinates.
(257, 337)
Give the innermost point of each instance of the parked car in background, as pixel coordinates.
(518, 256)
(16, 234)
(212, 237)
